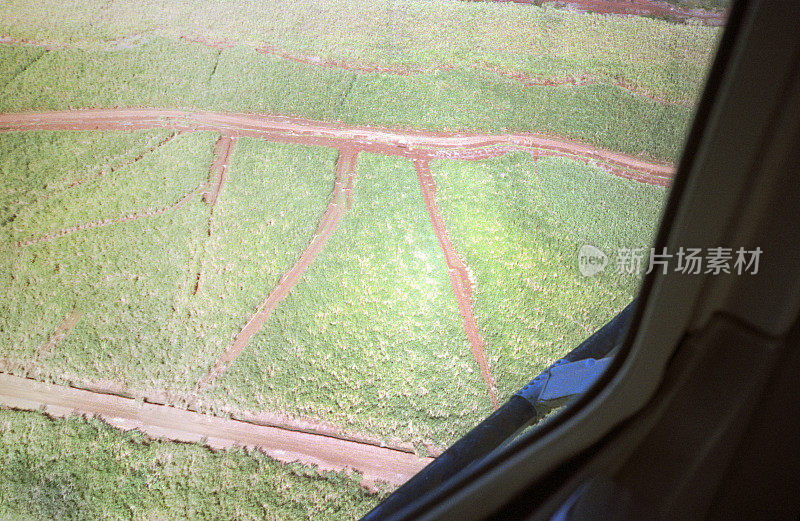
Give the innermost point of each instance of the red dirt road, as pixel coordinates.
(377, 464)
(633, 8)
(413, 144)
(460, 277)
(345, 173)
(223, 149)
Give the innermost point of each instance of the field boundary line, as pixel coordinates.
(151, 212)
(461, 278)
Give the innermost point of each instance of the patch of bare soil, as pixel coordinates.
(60, 333)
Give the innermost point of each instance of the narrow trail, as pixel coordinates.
(217, 175)
(345, 173)
(460, 277)
(377, 464)
(113, 220)
(371, 68)
(581, 81)
(60, 333)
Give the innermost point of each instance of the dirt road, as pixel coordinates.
(345, 171)
(161, 421)
(413, 144)
(460, 277)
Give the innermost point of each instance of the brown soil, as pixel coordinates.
(60, 333)
(413, 144)
(377, 464)
(459, 276)
(345, 171)
(217, 175)
(633, 8)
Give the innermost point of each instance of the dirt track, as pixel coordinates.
(460, 277)
(161, 421)
(345, 172)
(413, 144)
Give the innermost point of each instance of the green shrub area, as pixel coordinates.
(519, 224)
(540, 41)
(179, 75)
(371, 338)
(82, 470)
(55, 180)
(265, 217)
(142, 322)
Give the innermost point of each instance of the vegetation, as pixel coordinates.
(82, 470)
(170, 74)
(134, 282)
(540, 41)
(519, 224)
(371, 338)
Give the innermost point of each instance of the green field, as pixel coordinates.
(170, 74)
(520, 235)
(370, 339)
(413, 32)
(79, 470)
(134, 281)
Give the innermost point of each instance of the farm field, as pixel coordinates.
(83, 469)
(520, 235)
(352, 219)
(185, 75)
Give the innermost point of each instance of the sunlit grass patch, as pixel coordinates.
(519, 224)
(75, 468)
(371, 338)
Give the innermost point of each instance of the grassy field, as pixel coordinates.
(171, 74)
(371, 337)
(541, 41)
(519, 224)
(82, 470)
(133, 282)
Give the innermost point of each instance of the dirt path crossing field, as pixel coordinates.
(377, 464)
(345, 171)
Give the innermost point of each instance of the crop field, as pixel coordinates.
(191, 76)
(353, 219)
(520, 235)
(86, 470)
(144, 320)
(371, 337)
